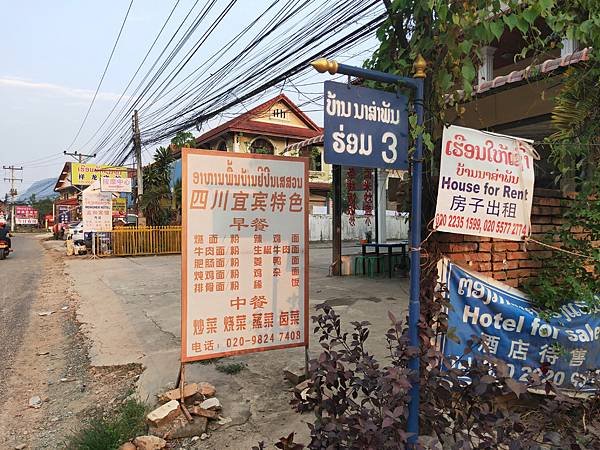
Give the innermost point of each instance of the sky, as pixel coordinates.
(53, 54)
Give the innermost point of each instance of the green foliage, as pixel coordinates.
(101, 433)
(157, 199)
(184, 139)
(43, 206)
(567, 277)
(576, 119)
(230, 368)
(450, 36)
(157, 191)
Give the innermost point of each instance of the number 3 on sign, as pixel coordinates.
(387, 136)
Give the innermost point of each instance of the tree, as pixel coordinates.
(157, 188)
(450, 36)
(158, 197)
(184, 139)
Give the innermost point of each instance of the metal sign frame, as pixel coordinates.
(418, 86)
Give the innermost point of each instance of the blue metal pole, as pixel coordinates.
(414, 311)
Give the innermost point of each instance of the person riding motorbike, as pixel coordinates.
(5, 234)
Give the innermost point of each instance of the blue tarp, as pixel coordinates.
(567, 344)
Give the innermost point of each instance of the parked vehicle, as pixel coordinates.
(75, 232)
(4, 249)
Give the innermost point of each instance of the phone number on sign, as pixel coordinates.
(258, 339)
(476, 224)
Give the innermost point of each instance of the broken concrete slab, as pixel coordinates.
(180, 428)
(175, 394)
(127, 446)
(164, 414)
(207, 389)
(198, 411)
(149, 443)
(294, 375)
(35, 402)
(211, 403)
(306, 384)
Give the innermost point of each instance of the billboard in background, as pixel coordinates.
(96, 209)
(64, 213)
(26, 215)
(108, 184)
(86, 174)
(119, 206)
(244, 253)
(26, 212)
(486, 184)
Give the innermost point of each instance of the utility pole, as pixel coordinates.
(79, 156)
(13, 191)
(137, 146)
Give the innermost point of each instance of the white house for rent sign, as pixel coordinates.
(486, 184)
(244, 253)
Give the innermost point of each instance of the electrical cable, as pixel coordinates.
(102, 77)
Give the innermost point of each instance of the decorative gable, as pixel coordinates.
(280, 113)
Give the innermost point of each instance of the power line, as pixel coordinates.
(285, 40)
(134, 75)
(102, 77)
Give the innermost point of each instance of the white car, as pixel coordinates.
(75, 232)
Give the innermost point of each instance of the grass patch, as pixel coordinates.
(231, 368)
(102, 433)
(206, 362)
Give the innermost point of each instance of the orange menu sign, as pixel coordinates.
(244, 253)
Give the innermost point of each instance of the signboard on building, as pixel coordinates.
(86, 174)
(511, 330)
(244, 253)
(119, 206)
(64, 213)
(26, 221)
(26, 215)
(96, 209)
(486, 184)
(365, 127)
(108, 184)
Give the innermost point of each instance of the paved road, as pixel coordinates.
(19, 275)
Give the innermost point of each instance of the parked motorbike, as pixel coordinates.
(4, 249)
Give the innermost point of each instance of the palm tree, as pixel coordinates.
(576, 120)
(157, 191)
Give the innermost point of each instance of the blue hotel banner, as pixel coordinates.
(567, 344)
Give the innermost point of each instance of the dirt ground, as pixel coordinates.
(52, 363)
(56, 360)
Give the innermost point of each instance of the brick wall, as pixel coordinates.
(509, 261)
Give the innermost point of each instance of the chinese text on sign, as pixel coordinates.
(486, 184)
(244, 253)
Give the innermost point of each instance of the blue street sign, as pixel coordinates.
(365, 127)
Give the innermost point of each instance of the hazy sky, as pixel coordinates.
(52, 56)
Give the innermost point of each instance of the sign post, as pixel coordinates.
(244, 254)
(417, 85)
(96, 209)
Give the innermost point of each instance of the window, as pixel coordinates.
(279, 113)
(222, 146)
(262, 146)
